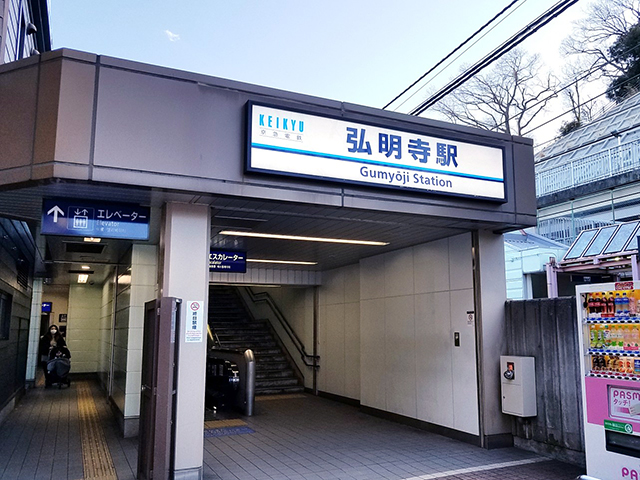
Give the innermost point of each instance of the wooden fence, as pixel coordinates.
(547, 329)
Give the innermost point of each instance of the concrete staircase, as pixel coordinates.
(236, 329)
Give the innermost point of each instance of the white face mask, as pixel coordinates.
(54, 330)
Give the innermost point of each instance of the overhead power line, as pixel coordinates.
(514, 41)
(452, 52)
(592, 99)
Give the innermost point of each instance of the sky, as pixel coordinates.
(357, 51)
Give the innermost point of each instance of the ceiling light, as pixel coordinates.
(85, 267)
(92, 239)
(82, 278)
(248, 219)
(306, 239)
(287, 262)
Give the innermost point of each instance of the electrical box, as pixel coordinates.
(518, 386)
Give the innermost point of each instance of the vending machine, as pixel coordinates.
(609, 322)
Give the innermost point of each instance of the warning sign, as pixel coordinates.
(194, 331)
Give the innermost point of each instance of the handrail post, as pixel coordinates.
(250, 389)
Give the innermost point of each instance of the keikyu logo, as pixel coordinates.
(281, 123)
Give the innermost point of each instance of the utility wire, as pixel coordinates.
(444, 67)
(599, 119)
(579, 76)
(518, 38)
(452, 52)
(587, 101)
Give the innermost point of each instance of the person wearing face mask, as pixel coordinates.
(50, 340)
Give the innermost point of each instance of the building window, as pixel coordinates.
(5, 316)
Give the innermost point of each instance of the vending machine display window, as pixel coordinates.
(609, 326)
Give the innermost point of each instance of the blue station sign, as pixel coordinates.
(230, 261)
(83, 218)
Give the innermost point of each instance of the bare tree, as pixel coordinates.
(582, 108)
(604, 23)
(504, 99)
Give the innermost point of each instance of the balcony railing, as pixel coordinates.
(605, 164)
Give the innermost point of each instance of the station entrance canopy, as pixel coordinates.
(81, 126)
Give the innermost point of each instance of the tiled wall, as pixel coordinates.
(13, 350)
(339, 332)
(105, 333)
(83, 326)
(140, 286)
(34, 330)
(386, 333)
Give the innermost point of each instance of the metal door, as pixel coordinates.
(157, 400)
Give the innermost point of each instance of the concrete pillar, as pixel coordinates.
(491, 296)
(185, 275)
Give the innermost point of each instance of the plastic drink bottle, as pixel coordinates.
(611, 305)
(592, 336)
(625, 304)
(626, 336)
(599, 336)
(606, 337)
(635, 338)
(620, 339)
(618, 302)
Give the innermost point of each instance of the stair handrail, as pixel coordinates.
(213, 336)
(264, 297)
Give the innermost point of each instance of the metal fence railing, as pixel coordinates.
(581, 171)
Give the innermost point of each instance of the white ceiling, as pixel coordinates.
(398, 229)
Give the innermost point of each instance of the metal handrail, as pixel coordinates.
(213, 336)
(264, 297)
(583, 170)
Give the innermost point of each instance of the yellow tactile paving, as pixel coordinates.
(234, 422)
(97, 461)
(279, 397)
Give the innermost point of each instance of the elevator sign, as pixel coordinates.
(83, 218)
(304, 144)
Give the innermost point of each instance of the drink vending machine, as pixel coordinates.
(609, 323)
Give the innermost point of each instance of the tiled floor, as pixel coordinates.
(298, 438)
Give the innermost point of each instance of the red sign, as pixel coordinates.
(624, 285)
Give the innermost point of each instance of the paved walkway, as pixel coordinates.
(56, 434)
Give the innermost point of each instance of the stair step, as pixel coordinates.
(276, 382)
(279, 391)
(271, 366)
(264, 375)
(238, 330)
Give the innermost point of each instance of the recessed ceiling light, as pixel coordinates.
(92, 239)
(85, 267)
(82, 278)
(286, 262)
(305, 239)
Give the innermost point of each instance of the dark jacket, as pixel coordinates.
(49, 341)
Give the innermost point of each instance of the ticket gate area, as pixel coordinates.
(230, 381)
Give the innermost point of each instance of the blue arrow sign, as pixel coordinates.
(83, 218)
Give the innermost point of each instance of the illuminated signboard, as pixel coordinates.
(86, 218)
(293, 143)
(230, 261)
